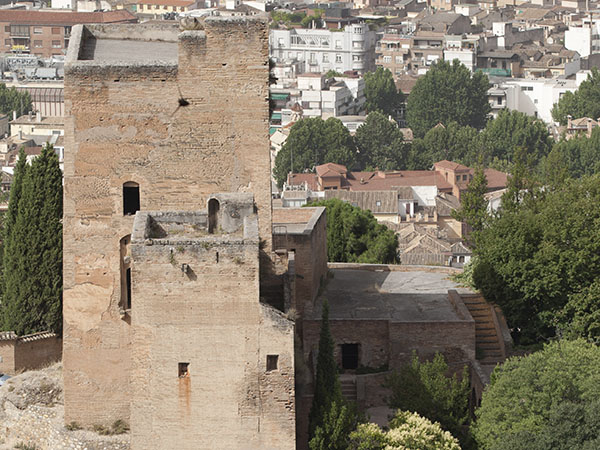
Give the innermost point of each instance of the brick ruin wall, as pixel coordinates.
(123, 124)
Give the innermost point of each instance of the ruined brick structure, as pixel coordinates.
(166, 134)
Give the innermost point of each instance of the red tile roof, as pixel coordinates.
(445, 164)
(65, 18)
(495, 179)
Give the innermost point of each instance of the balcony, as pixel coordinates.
(496, 72)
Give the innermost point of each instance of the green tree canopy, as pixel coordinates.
(353, 235)
(547, 400)
(539, 260)
(32, 295)
(312, 142)
(381, 93)
(380, 144)
(425, 389)
(584, 102)
(407, 430)
(448, 92)
(511, 130)
(452, 142)
(579, 155)
(13, 100)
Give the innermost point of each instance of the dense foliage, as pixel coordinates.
(448, 92)
(539, 259)
(584, 102)
(353, 235)
(407, 430)
(579, 155)
(496, 145)
(13, 100)
(380, 144)
(312, 142)
(425, 389)
(381, 93)
(547, 400)
(32, 263)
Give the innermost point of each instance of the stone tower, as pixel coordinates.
(167, 209)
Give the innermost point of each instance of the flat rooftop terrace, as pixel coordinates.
(115, 50)
(415, 296)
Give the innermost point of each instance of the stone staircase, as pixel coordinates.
(348, 384)
(489, 347)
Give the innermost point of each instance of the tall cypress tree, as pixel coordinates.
(327, 383)
(10, 217)
(33, 257)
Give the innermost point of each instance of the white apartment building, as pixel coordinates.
(584, 40)
(322, 97)
(534, 97)
(322, 50)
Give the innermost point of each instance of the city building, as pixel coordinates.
(47, 33)
(321, 50)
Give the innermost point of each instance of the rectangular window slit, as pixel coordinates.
(184, 370)
(272, 362)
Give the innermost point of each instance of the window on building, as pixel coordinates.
(55, 30)
(499, 100)
(56, 44)
(281, 42)
(356, 58)
(387, 59)
(535, 101)
(325, 57)
(37, 44)
(357, 44)
(7, 42)
(68, 31)
(213, 215)
(7, 28)
(399, 60)
(350, 356)
(338, 58)
(457, 177)
(272, 361)
(37, 30)
(131, 198)
(183, 369)
(338, 44)
(378, 203)
(464, 178)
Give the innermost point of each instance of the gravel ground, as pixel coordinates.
(32, 412)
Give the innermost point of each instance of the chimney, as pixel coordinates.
(14, 115)
(569, 121)
(589, 127)
(38, 116)
(30, 115)
(20, 135)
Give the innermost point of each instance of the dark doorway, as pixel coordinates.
(131, 198)
(213, 215)
(350, 356)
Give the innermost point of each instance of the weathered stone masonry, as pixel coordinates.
(196, 361)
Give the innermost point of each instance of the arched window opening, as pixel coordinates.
(213, 213)
(131, 198)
